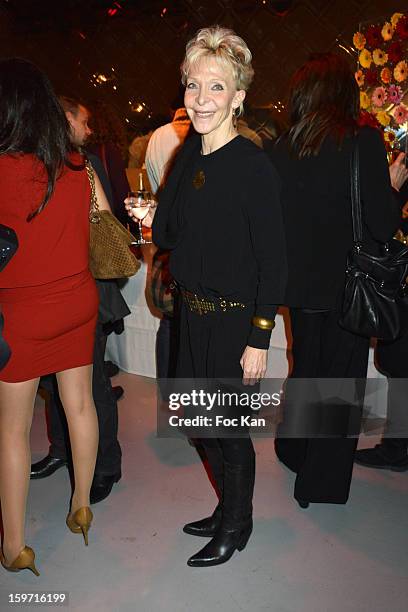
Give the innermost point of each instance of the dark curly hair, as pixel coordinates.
(323, 100)
(32, 120)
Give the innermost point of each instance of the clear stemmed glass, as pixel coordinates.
(140, 203)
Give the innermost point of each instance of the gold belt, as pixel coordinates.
(203, 305)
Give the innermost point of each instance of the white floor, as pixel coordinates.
(351, 558)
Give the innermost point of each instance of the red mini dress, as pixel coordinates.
(48, 297)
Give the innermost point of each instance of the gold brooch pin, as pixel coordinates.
(199, 179)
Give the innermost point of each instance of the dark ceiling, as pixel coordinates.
(138, 45)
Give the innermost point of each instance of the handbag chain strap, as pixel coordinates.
(94, 216)
(357, 216)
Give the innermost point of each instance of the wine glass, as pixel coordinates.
(140, 203)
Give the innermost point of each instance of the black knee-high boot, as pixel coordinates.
(236, 524)
(208, 526)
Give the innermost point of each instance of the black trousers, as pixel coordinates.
(322, 349)
(166, 352)
(210, 349)
(109, 452)
(392, 360)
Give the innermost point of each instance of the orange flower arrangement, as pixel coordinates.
(386, 75)
(401, 71)
(359, 41)
(387, 31)
(380, 57)
(365, 58)
(382, 74)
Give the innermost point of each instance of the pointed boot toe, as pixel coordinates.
(207, 527)
(221, 548)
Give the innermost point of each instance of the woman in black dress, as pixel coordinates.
(392, 360)
(313, 161)
(220, 217)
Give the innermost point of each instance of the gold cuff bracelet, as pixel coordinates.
(265, 324)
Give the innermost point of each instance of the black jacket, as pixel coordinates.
(317, 214)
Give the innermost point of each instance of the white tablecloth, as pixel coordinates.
(134, 350)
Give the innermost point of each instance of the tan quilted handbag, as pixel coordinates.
(109, 252)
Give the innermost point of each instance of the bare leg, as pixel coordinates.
(16, 415)
(75, 389)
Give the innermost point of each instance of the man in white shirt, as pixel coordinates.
(163, 146)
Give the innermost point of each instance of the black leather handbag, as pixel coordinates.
(375, 295)
(8, 246)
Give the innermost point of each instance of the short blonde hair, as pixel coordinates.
(229, 49)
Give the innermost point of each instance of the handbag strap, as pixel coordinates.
(356, 209)
(94, 209)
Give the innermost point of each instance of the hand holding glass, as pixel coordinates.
(140, 203)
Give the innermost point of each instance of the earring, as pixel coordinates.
(235, 117)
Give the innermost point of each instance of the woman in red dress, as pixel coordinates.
(47, 295)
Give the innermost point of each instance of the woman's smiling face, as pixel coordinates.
(211, 96)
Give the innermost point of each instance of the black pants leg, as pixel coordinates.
(211, 454)
(322, 349)
(109, 456)
(166, 353)
(239, 481)
(237, 451)
(392, 359)
(163, 348)
(211, 348)
(57, 423)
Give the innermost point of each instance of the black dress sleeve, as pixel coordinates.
(381, 209)
(268, 244)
